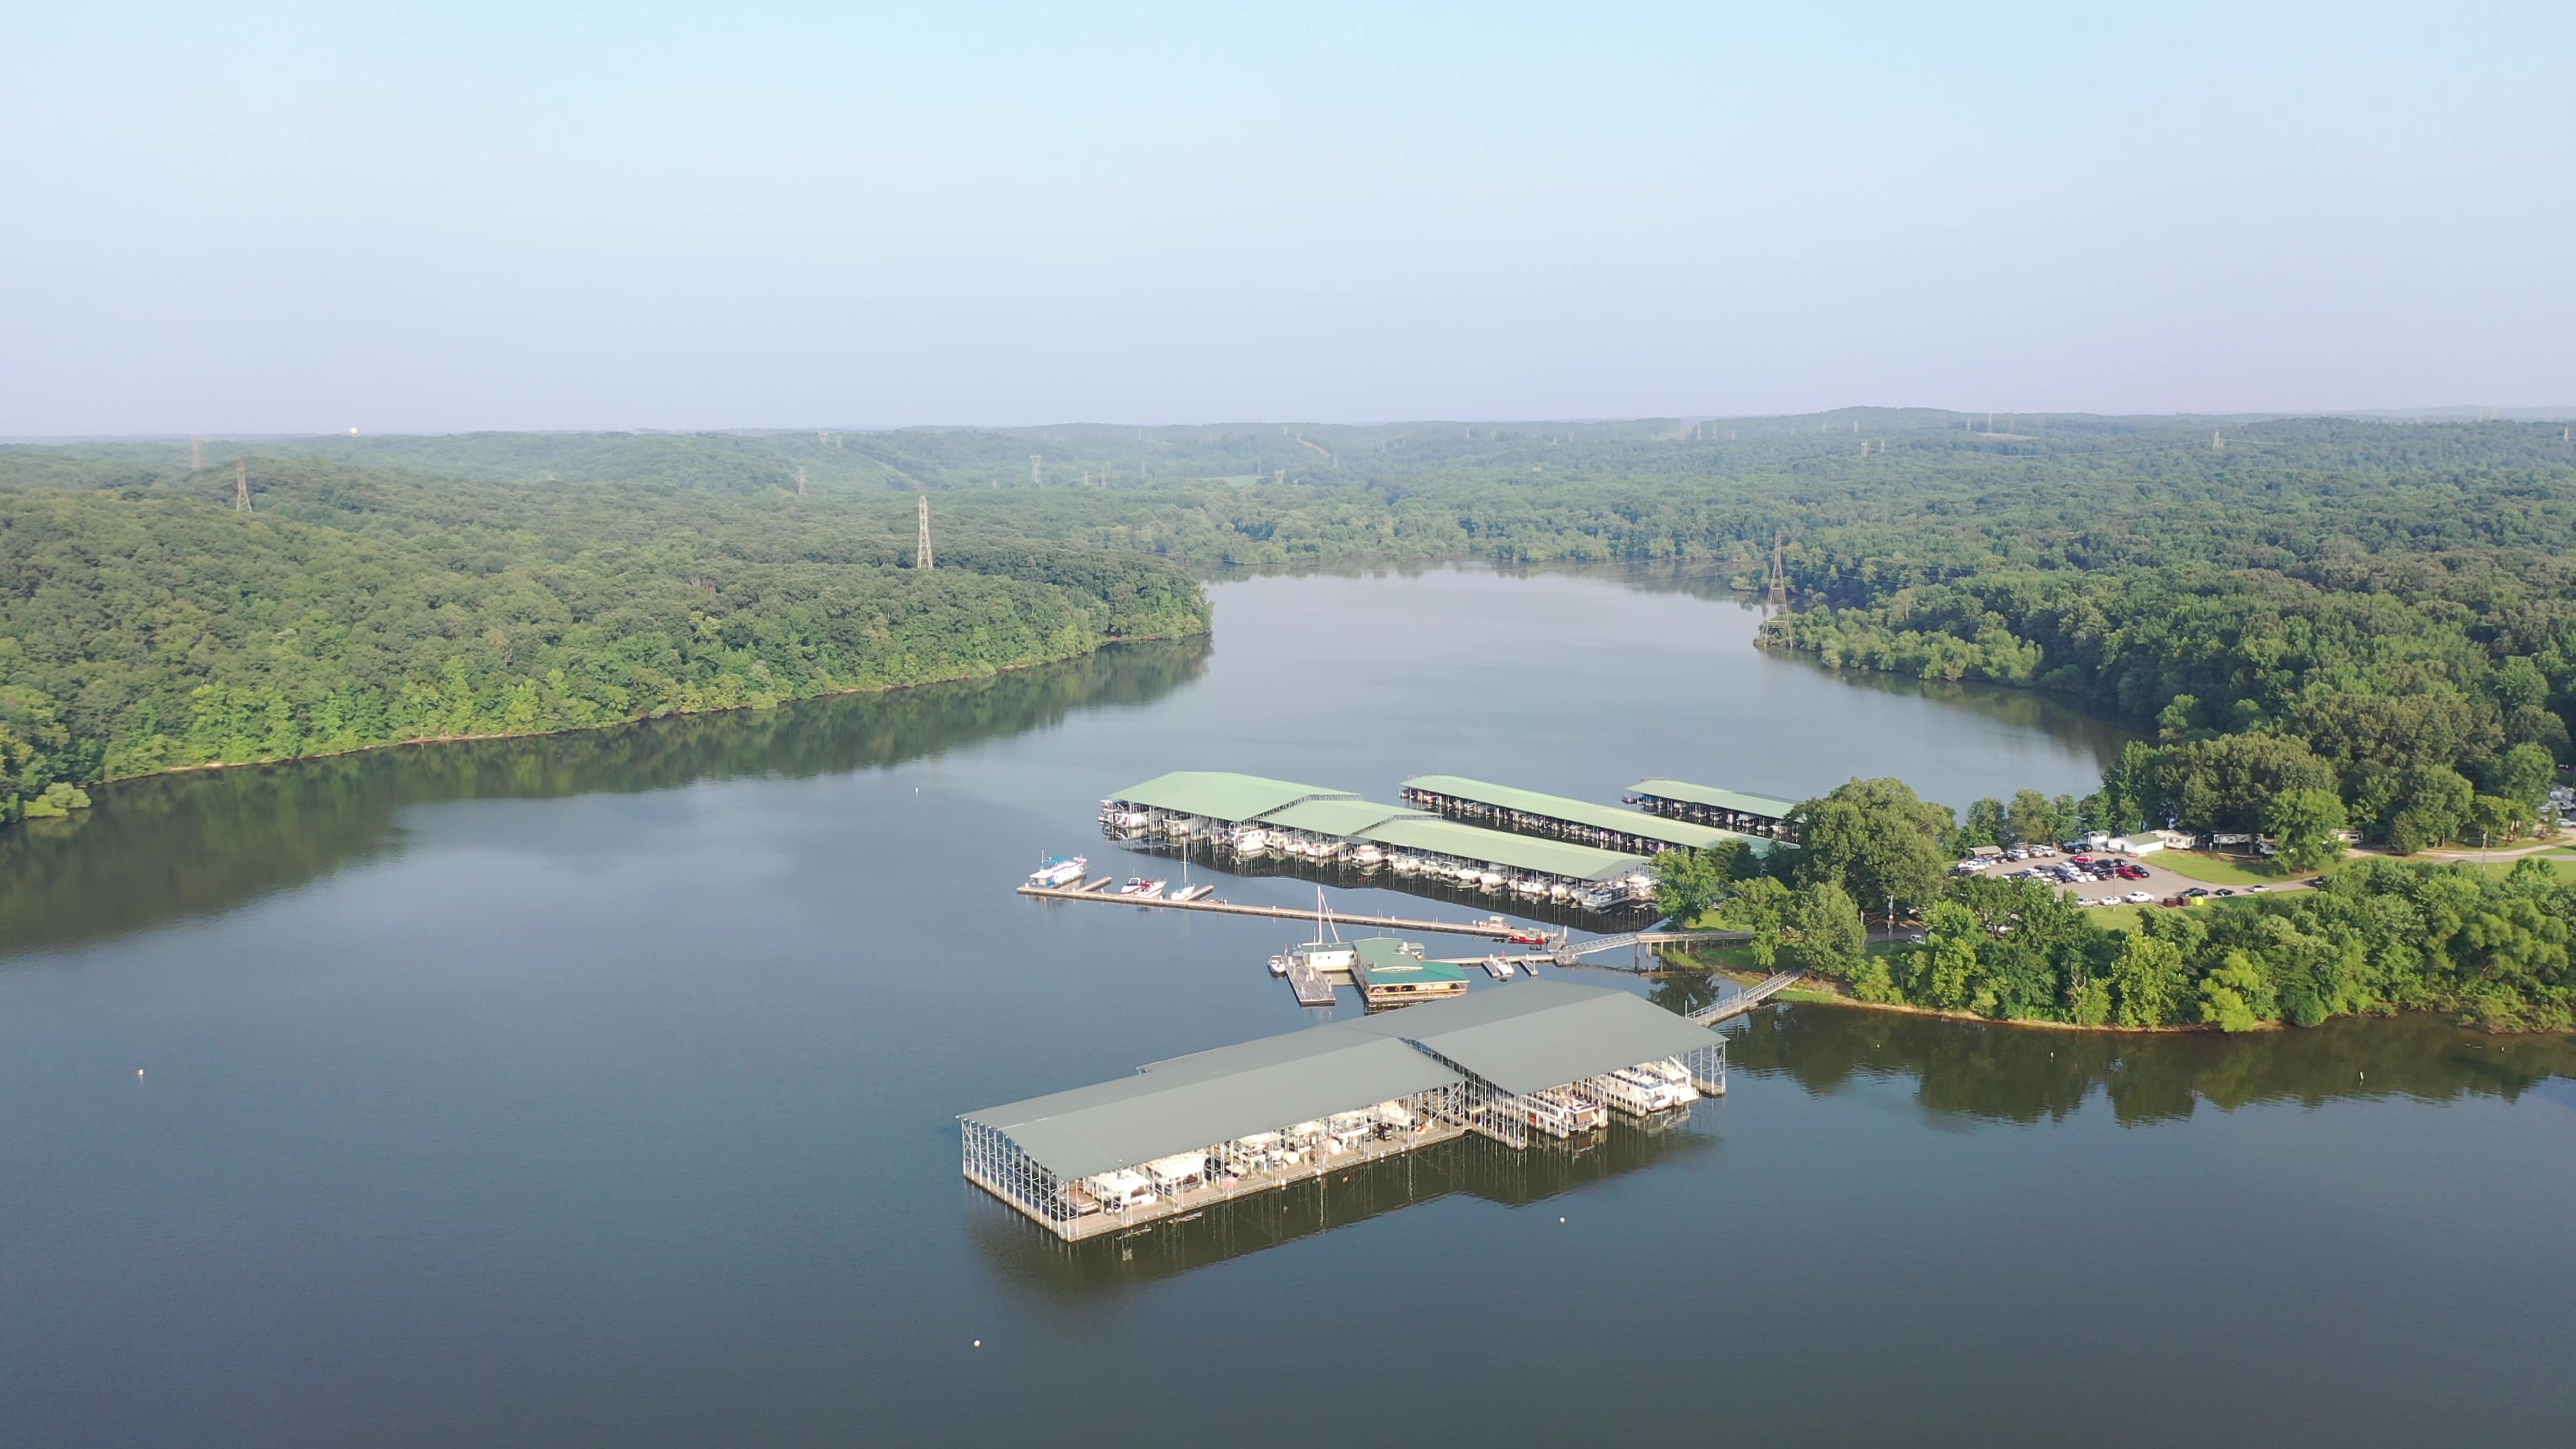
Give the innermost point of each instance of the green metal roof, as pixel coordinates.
(1213, 1097)
(1337, 817)
(1522, 1038)
(1678, 833)
(1717, 799)
(1385, 956)
(1538, 1034)
(1222, 794)
(1497, 847)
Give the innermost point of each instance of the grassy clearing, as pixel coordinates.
(2215, 869)
(2565, 865)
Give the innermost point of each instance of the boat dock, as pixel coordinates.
(1308, 981)
(1491, 930)
(1540, 1063)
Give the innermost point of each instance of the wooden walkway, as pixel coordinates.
(1745, 1001)
(1487, 929)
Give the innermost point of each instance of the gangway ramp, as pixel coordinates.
(1746, 1001)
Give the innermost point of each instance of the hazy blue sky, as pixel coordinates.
(260, 216)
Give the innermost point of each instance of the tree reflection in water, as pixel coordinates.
(2021, 1074)
(172, 846)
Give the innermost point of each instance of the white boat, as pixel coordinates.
(1059, 871)
(1559, 1115)
(1365, 854)
(1279, 964)
(1142, 889)
(1490, 879)
(1122, 1189)
(1251, 839)
(1559, 891)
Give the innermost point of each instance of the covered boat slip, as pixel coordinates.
(1447, 841)
(1219, 1124)
(1254, 1116)
(1188, 801)
(1609, 827)
(1251, 814)
(1710, 805)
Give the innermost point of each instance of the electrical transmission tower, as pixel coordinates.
(196, 455)
(241, 486)
(921, 555)
(800, 480)
(1780, 569)
(1034, 480)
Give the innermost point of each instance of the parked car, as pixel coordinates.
(2224, 891)
(2140, 898)
(2196, 892)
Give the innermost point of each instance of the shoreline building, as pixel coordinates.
(1515, 1064)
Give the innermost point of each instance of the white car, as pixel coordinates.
(2138, 898)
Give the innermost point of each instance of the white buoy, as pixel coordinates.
(979, 1343)
(1560, 1220)
(138, 1074)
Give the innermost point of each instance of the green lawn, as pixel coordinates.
(2214, 869)
(2565, 865)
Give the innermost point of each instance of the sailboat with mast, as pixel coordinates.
(1320, 954)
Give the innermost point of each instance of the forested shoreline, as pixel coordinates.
(2334, 626)
(151, 627)
(2371, 937)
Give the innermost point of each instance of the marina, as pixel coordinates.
(1540, 1060)
(1248, 817)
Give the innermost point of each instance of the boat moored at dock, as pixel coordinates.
(1058, 872)
(1518, 1066)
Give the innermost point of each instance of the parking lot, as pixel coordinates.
(2158, 882)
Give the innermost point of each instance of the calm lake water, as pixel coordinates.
(601, 1090)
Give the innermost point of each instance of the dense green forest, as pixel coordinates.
(146, 625)
(2383, 611)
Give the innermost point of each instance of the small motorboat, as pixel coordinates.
(1142, 889)
(1060, 871)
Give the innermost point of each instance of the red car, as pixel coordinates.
(1530, 938)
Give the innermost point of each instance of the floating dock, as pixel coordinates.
(1251, 815)
(1491, 930)
(1309, 981)
(1561, 817)
(1542, 1060)
(1712, 805)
